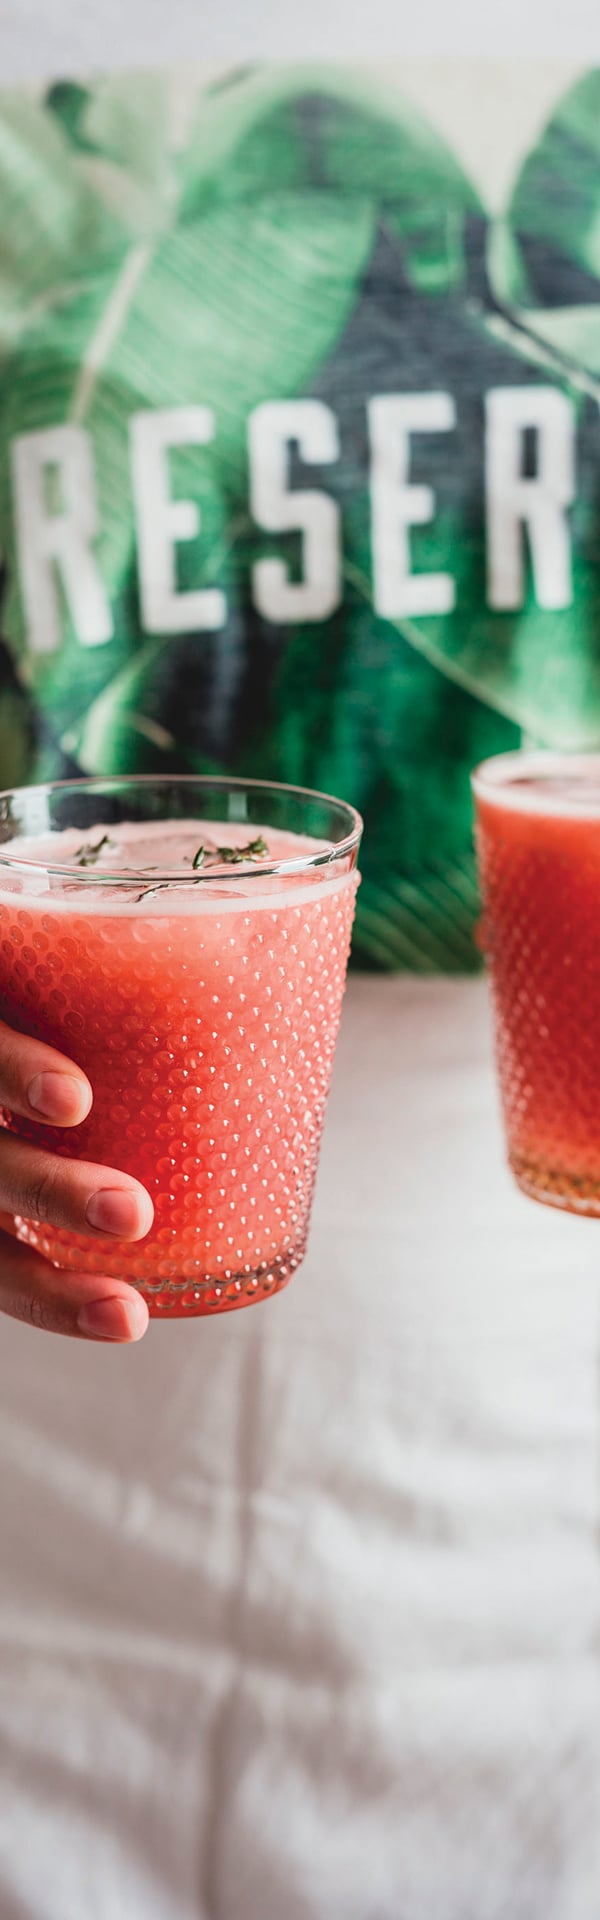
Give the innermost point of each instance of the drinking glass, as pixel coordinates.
(185, 942)
(538, 841)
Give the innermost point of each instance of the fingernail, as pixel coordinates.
(114, 1319)
(117, 1210)
(58, 1096)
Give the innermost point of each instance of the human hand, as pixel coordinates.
(41, 1084)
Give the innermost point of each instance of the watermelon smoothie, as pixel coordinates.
(194, 968)
(538, 839)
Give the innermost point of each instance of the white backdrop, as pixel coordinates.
(36, 37)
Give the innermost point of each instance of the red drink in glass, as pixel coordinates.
(538, 840)
(203, 1003)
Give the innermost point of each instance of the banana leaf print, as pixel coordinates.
(546, 257)
(292, 233)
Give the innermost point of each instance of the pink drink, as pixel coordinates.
(205, 1013)
(538, 838)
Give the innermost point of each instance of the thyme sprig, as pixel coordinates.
(88, 855)
(230, 856)
(217, 857)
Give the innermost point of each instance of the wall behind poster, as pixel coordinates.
(76, 35)
(300, 446)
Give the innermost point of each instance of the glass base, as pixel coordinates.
(175, 1298)
(554, 1188)
(188, 1299)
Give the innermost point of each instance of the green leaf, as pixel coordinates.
(126, 150)
(555, 207)
(424, 926)
(538, 669)
(323, 130)
(571, 334)
(17, 724)
(260, 293)
(16, 739)
(67, 100)
(358, 712)
(55, 230)
(506, 264)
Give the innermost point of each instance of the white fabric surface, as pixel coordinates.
(300, 1609)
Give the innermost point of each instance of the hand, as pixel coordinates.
(41, 1084)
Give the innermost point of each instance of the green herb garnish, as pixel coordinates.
(230, 856)
(87, 856)
(216, 857)
(157, 888)
(256, 848)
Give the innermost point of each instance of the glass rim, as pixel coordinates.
(325, 856)
(495, 780)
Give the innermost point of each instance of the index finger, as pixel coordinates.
(40, 1083)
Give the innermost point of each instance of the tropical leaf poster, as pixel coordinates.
(300, 446)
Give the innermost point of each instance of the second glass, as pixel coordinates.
(185, 941)
(538, 840)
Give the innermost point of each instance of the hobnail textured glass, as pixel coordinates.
(208, 1037)
(538, 840)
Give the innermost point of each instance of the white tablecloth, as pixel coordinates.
(300, 1608)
